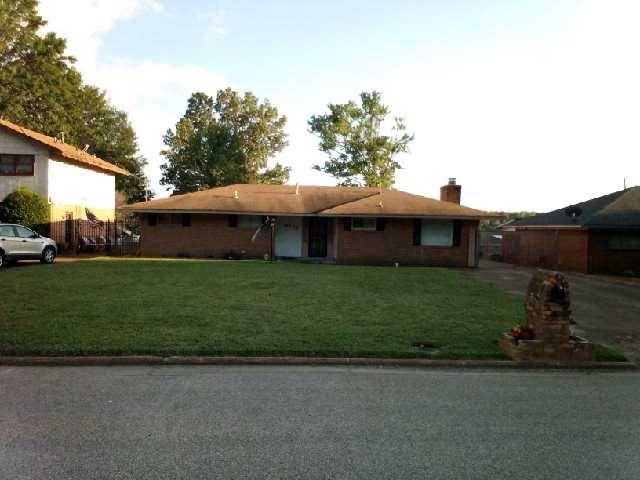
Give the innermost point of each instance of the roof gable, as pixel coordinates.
(66, 153)
(617, 209)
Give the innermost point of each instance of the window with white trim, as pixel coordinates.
(363, 223)
(249, 221)
(436, 233)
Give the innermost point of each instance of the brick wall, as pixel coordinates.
(395, 244)
(208, 236)
(602, 259)
(211, 236)
(573, 249)
(548, 248)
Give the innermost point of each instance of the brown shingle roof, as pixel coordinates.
(310, 200)
(66, 153)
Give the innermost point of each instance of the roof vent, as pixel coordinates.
(235, 194)
(573, 211)
(452, 180)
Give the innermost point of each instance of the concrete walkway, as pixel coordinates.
(606, 309)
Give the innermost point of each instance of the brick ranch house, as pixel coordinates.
(601, 235)
(347, 225)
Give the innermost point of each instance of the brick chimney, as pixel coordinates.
(451, 192)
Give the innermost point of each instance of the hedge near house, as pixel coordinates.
(24, 207)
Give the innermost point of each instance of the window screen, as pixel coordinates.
(16, 164)
(363, 223)
(624, 241)
(437, 233)
(249, 221)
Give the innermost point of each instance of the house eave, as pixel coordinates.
(302, 214)
(511, 228)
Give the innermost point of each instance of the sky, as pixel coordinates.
(531, 105)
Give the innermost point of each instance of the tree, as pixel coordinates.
(19, 25)
(110, 135)
(490, 225)
(359, 153)
(222, 141)
(41, 90)
(24, 207)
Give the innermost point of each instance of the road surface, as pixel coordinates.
(209, 422)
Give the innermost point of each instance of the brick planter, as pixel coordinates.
(547, 313)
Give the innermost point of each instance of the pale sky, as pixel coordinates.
(532, 105)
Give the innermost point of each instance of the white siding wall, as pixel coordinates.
(11, 143)
(72, 185)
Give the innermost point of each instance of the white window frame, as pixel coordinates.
(372, 226)
(443, 236)
(249, 221)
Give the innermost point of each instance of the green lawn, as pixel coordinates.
(167, 307)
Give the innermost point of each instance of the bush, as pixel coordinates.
(24, 207)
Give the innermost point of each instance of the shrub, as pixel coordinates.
(24, 207)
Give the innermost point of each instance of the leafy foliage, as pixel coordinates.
(41, 90)
(359, 153)
(24, 207)
(488, 225)
(222, 141)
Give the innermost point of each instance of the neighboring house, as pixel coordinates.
(70, 179)
(601, 235)
(336, 224)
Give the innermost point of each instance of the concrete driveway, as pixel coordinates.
(606, 309)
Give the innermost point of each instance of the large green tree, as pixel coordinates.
(360, 154)
(40, 89)
(222, 141)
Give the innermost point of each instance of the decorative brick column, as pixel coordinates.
(547, 316)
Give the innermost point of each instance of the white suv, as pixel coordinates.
(22, 243)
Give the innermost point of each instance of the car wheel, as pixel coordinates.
(48, 255)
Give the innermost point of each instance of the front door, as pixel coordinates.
(317, 237)
(288, 237)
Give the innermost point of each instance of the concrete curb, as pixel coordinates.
(351, 361)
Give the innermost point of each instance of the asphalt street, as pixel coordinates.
(208, 422)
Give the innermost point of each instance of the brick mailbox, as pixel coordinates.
(546, 334)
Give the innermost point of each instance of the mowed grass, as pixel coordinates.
(190, 307)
